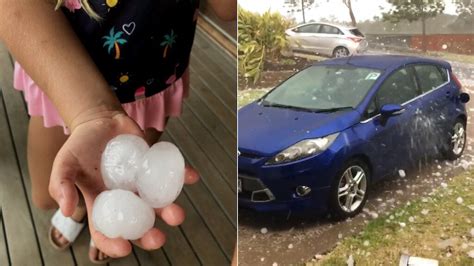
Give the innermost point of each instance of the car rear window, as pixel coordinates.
(357, 32)
(430, 77)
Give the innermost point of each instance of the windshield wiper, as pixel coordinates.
(279, 105)
(330, 110)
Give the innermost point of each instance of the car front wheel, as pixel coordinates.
(349, 190)
(457, 140)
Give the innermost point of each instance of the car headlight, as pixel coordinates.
(303, 149)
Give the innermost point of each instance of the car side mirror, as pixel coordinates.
(391, 110)
(464, 97)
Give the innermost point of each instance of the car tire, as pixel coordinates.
(340, 51)
(456, 140)
(345, 206)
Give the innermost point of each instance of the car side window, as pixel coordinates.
(310, 28)
(398, 88)
(371, 109)
(429, 77)
(329, 29)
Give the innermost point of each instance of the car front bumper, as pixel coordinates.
(269, 188)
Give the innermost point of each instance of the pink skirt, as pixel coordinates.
(150, 112)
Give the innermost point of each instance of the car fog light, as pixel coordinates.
(302, 191)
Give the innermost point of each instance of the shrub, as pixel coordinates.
(261, 38)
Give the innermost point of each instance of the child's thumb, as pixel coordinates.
(62, 182)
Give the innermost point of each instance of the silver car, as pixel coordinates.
(326, 39)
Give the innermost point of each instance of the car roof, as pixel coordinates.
(383, 62)
(326, 23)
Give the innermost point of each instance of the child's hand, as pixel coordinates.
(78, 163)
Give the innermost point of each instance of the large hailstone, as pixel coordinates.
(120, 161)
(160, 177)
(121, 213)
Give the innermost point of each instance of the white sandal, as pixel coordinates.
(68, 228)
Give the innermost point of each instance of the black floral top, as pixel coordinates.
(141, 47)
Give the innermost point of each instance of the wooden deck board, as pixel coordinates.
(16, 214)
(208, 235)
(211, 183)
(3, 244)
(216, 56)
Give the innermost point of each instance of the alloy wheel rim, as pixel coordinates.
(458, 139)
(352, 188)
(341, 52)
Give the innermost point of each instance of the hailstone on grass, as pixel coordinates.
(121, 213)
(120, 161)
(160, 176)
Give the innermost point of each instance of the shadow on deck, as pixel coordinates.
(206, 133)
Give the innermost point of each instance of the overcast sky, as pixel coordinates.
(363, 9)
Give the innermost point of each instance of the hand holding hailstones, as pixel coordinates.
(128, 165)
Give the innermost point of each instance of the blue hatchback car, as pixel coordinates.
(321, 138)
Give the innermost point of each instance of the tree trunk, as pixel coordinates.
(423, 37)
(302, 10)
(351, 13)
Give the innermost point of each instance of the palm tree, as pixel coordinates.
(113, 40)
(170, 39)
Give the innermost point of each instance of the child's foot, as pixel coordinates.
(96, 256)
(63, 240)
(71, 230)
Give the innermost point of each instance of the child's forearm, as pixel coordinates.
(43, 42)
(225, 9)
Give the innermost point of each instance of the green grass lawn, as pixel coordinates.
(417, 229)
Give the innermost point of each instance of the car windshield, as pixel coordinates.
(323, 88)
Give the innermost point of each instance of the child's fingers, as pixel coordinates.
(62, 182)
(152, 240)
(172, 215)
(191, 176)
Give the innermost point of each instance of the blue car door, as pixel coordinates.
(388, 139)
(433, 121)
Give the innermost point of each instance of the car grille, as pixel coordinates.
(253, 189)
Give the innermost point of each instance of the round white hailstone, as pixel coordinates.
(425, 212)
(161, 175)
(472, 232)
(120, 161)
(402, 225)
(444, 46)
(444, 185)
(121, 213)
(401, 173)
(290, 246)
(470, 254)
(366, 243)
(459, 200)
(411, 219)
(264, 230)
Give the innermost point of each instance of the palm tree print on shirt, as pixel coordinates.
(114, 40)
(169, 40)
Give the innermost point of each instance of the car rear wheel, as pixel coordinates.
(457, 140)
(349, 190)
(340, 52)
